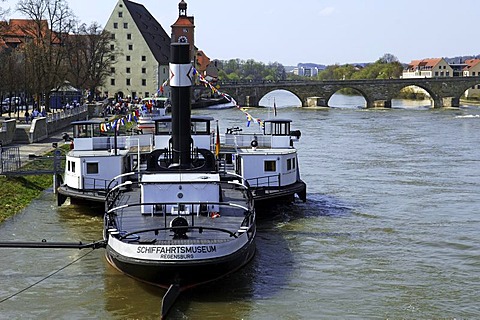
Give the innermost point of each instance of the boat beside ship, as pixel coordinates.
(267, 160)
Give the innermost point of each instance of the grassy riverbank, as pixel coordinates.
(16, 193)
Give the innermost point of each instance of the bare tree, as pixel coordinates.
(90, 56)
(3, 11)
(51, 21)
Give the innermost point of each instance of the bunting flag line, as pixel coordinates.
(117, 123)
(161, 90)
(229, 99)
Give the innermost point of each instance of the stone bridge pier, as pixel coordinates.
(378, 93)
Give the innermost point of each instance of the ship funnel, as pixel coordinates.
(181, 74)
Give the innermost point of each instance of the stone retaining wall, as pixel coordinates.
(7, 131)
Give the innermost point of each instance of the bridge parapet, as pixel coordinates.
(378, 93)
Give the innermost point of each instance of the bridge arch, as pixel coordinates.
(414, 88)
(472, 91)
(266, 94)
(328, 98)
(291, 98)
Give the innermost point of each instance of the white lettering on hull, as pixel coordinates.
(177, 252)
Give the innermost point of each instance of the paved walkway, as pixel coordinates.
(40, 148)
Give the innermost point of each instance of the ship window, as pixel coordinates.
(293, 160)
(289, 164)
(199, 127)
(68, 165)
(73, 167)
(270, 166)
(92, 168)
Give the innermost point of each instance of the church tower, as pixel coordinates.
(183, 28)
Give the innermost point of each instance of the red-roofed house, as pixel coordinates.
(428, 68)
(18, 31)
(472, 69)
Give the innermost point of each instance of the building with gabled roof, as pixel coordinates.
(16, 32)
(428, 68)
(141, 51)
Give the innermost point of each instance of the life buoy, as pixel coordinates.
(254, 143)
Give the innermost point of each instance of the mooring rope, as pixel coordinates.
(45, 278)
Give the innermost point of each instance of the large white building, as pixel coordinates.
(140, 49)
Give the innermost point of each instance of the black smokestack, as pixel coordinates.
(180, 84)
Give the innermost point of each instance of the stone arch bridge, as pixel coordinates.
(444, 92)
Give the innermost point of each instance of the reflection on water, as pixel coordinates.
(390, 230)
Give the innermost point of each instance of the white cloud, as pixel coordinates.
(328, 11)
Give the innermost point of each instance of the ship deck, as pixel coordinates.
(203, 227)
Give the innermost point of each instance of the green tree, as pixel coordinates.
(237, 70)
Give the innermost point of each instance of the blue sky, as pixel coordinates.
(318, 31)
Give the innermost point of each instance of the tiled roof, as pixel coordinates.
(420, 64)
(157, 39)
(17, 29)
(471, 63)
(184, 22)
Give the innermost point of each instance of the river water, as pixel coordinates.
(389, 230)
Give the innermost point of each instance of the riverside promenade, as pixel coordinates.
(14, 156)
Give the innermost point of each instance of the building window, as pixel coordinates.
(112, 47)
(125, 25)
(147, 94)
(144, 82)
(128, 82)
(144, 58)
(144, 70)
(112, 82)
(436, 73)
(92, 168)
(270, 166)
(129, 36)
(112, 70)
(112, 36)
(120, 14)
(128, 70)
(473, 73)
(128, 58)
(112, 58)
(115, 25)
(130, 47)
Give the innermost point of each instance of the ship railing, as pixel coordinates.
(265, 181)
(95, 184)
(192, 215)
(245, 140)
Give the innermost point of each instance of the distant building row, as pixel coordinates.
(439, 67)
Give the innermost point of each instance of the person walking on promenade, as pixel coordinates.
(27, 116)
